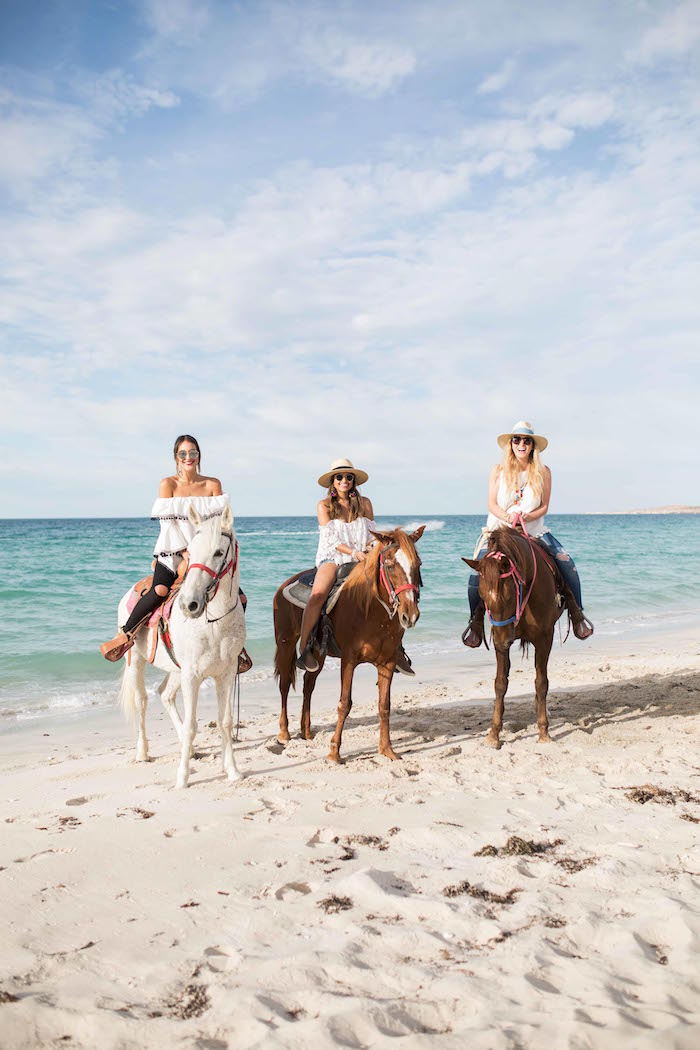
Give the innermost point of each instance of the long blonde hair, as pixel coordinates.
(510, 470)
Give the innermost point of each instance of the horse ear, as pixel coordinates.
(383, 537)
(415, 536)
(227, 518)
(194, 517)
(474, 564)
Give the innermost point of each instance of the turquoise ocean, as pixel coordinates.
(62, 580)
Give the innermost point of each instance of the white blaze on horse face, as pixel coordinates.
(403, 561)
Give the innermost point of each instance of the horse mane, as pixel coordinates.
(505, 541)
(362, 585)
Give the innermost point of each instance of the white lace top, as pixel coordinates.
(176, 529)
(521, 498)
(355, 534)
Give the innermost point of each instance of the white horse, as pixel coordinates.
(207, 630)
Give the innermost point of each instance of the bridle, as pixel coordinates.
(392, 591)
(230, 566)
(518, 579)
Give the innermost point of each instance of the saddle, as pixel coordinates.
(158, 621)
(299, 592)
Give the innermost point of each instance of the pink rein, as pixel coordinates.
(218, 576)
(518, 579)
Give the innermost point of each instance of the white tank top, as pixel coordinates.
(521, 498)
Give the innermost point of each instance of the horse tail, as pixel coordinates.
(127, 693)
(286, 634)
(290, 671)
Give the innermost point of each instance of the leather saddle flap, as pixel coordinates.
(298, 592)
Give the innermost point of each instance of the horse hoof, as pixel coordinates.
(493, 741)
(181, 781)
(333, 756)
(545, 738)
(388, 752)
(283, 738)
(307, 736)
(142, 756)
(235, 774)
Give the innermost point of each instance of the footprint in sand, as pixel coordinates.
(290, 888)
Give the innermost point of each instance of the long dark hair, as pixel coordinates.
(355, 502)
(193, 440)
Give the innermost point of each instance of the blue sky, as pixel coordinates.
(379, 230)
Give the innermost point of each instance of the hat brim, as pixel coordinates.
(540, 442)
(360, 476)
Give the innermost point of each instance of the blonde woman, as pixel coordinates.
(521, 485)
(345, 526)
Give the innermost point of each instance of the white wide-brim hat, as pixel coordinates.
(339, 465)
(524, 429)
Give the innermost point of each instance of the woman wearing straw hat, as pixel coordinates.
(346, 523)
(521, 485)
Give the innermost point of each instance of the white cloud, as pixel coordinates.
(675, 34)
(180, 21)
(369, 66)
(498, 80)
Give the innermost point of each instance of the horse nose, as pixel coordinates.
(192, 606)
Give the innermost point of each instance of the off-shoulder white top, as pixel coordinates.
(355, 534)
(522, 499)
(176, 529)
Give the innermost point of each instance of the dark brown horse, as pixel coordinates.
(379, 600)
(518, 585)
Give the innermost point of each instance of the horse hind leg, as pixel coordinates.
(309, 685)
(541, 688)
(134, 700)
(347, 670)
(493, 738)
(286, 635)
(224, 694)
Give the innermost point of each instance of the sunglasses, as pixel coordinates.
(192, 454)
(522, 441)
(343, 477)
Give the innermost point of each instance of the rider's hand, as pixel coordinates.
(359, 555)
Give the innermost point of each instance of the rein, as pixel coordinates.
(217, 577)
(518, 579)
(392, 591)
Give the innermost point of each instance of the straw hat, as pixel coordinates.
(522, 427)
(338, 466)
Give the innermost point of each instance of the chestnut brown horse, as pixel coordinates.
(519, 585)
(378, 601)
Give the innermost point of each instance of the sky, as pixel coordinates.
(379, 230)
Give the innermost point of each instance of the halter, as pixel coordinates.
(392, 591)
(518, 579)
(217, 577)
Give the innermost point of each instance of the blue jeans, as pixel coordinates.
(565, 564)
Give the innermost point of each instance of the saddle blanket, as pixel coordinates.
(298, 592)
(164, 610)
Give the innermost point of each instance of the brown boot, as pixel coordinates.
(244, 662)
(403, 663)
(474, 634)
(118, 646)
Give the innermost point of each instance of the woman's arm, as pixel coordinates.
(214, 487)
(540, 511)
(166, 488)
(367, 511)
(323, 512)
(494, 482)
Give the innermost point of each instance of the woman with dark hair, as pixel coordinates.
(520, 487)
(176, 494)
(345, 523)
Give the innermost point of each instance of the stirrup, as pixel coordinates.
(244, 662)
(472, 637)
(306, 661)
(583, 629)
(118, 646)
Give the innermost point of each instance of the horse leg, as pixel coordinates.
(542, 652)
(501, 684)
(141, 700)
(224, 694)
(309, 686)
(385, 675)
(190, 690)
(168, 691)
(347, 670)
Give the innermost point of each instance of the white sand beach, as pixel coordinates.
(536, 896)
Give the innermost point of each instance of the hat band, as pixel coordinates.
(525, 431)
